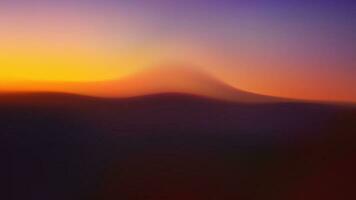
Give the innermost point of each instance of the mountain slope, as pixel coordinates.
(168, 79)
(183, 80)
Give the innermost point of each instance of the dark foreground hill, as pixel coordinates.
(172, 146)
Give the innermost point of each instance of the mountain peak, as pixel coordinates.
(181, 79)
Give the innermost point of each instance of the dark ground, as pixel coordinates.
(171, 146)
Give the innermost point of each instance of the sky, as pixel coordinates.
(290, 48)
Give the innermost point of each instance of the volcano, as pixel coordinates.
(156, 80)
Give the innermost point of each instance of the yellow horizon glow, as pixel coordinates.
(36, 61)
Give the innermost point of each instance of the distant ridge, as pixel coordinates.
(173, 79)
(157, 80)
(60, 98)
(56, 98)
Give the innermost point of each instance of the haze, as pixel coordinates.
(294, 49)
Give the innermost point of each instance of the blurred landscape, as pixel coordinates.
(174, 146)
(177, 100)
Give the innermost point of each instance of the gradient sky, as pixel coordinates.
(292, 48)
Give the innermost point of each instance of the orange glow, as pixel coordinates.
(41, 61)
(71, 51)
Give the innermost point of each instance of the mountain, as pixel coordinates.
(165, 79)
(173, 146)
(183, 80)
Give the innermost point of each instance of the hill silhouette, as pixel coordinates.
(156, 80)
(184, 80)
(173, 146)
